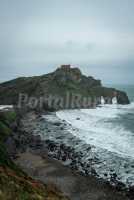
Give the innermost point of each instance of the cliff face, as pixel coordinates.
(62, 81)
(66, 75)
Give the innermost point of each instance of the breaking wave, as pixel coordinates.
(109, 127)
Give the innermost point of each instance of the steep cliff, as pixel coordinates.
(65, 80)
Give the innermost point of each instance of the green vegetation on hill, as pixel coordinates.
(4, 130)
(22, 187)
(6, 118)
(61, 81)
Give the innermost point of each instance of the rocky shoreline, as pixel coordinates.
(30, 140)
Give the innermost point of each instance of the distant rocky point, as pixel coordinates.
(65, 80)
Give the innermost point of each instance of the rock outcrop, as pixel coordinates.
(58, 85)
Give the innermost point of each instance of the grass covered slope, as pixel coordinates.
(14, 186)
(14, 183)
(6, 119)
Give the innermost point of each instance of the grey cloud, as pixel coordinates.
(36, 35)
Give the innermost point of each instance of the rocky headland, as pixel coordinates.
(66, 87)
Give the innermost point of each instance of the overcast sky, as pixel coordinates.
(36, 36)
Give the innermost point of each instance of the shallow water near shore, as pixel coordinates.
(108, 127)
(107, 130)
(100, 140)
(110, 130)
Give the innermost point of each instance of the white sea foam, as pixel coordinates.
(2, 107)
(99, 128)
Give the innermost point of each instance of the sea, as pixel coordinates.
(110, 131)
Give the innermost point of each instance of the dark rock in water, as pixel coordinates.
(105, 174)
(114, 175)
(77, 118)
(62, 146)
(86, 172)
(57, 124)
(109, 93)
(122, 98)
(64, 158)
(113, 178)
(89, 148)
(126, 166)
(93, 171)
(51, 146)
(65, 80)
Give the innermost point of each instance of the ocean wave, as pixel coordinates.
(99, 127)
